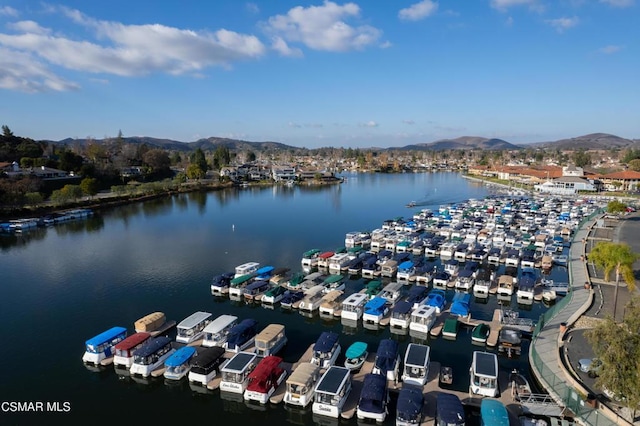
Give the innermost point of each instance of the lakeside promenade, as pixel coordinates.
(547, 355)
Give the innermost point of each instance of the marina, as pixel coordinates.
(301, 330)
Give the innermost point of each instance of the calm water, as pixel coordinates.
(65, 284)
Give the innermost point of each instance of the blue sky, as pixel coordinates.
(345, 74)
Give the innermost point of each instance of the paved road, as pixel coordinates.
(576, 345)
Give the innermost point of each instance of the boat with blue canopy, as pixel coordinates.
(373, 398)
(417, 295)
(460, 304)
(387, 360)
(101, 347)
(449, 410)
(356, 355)
(242, 335)
(177, 365)
(326, 349)
(401, 314)
(151, 355)
(437, 299)
(493, 413)
(375, 310)
(409, 406)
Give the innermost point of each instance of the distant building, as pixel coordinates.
(566, 185)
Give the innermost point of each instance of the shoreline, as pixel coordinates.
(106, 200)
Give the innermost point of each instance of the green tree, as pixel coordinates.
(89, 186)
(199, 159)
(581, 158)
(158, 160)
(618, 346)
(6, 131)
(616, 206)
(195, 172)
(221, 157)
(635, 165)
(73, 192)
(617, 258)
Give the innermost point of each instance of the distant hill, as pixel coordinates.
(590, 141)
(464, 142)
(208, 144)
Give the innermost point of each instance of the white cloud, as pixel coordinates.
(20, 71)
(618, 3)
(418, 11)
(608, 50)
(509, 21)
(323, 27)
(562, 24)
(409, 122)
(370, 123)
(294, 125)
(252, 8)
(8, 11)
(281, 46)
(28, 27)
(385, 45)
(129, 50)
(503, 5)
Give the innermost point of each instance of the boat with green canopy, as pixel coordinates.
(356, 355)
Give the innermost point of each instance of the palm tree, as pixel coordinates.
(618, 258)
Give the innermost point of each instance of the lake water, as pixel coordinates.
(65, 284)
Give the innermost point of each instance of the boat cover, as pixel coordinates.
(241, 332)
(207, 357)
(416, 294)
(150, 322)
(373, 397)
(493, 412)
(449, 409)
(402, 307)
(387, 355)
(151, 345)
(375, 305)
(356, 350)
(180, 356)
(325, 342)
(460, 304)
(410, 401)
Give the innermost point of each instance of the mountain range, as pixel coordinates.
(590, 141)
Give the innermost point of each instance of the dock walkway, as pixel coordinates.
(547, 343)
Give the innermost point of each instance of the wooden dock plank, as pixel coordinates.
(357, 379)
(278, 394)
(215, 383)
(306, 357)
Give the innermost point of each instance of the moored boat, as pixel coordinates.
(241, 335)
(387, 361)
(493, 413)
(450, 327)
(409, 406)
(445, 376)
(192, 328)
(215, 333)
(271, 340)
(151, 355)
(123, 354)
(326, 349)
(332, 392)
(300, 385)
(416, 364)
(374, 398)
(484, 374)
(178, 364)
(206, 365)
(520, 387)
(480, 333)
(102, 346)
(437, 299)
(356, 355)
(235, 372)
(449, 410)
(264, 379)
